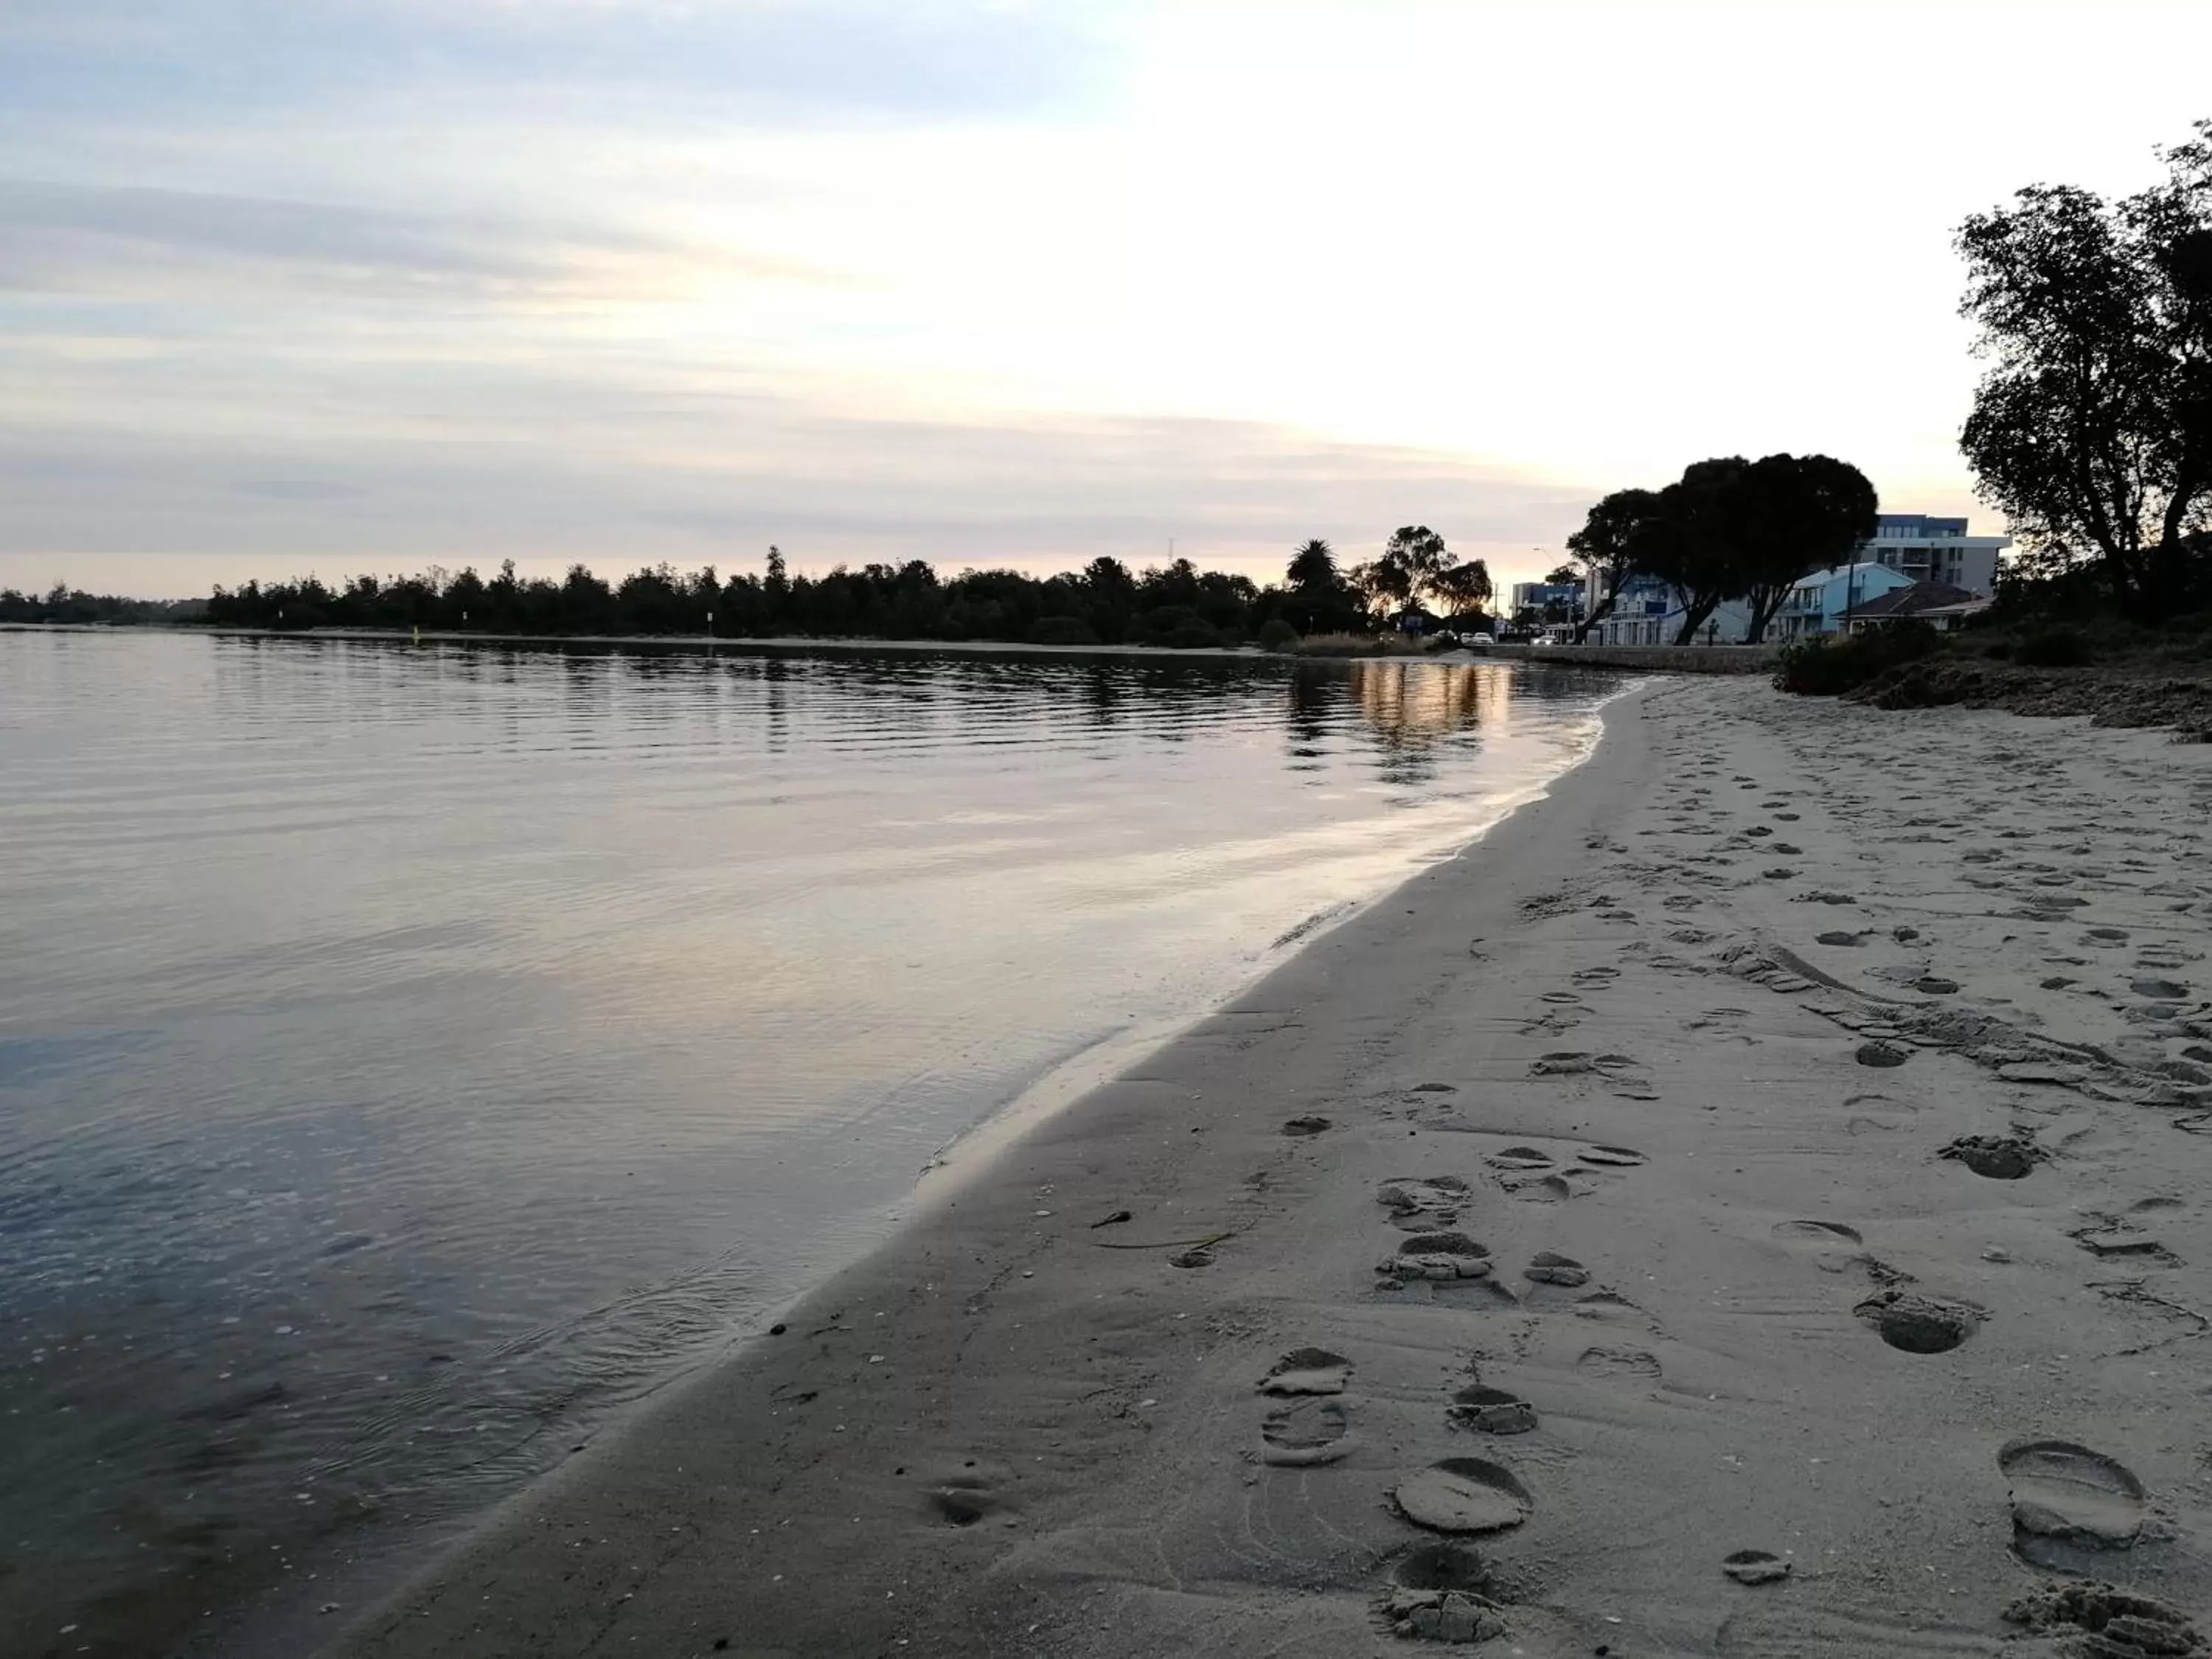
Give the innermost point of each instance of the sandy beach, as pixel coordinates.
(1750, 1204)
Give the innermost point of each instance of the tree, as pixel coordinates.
(1563, 575)
(1606, 546)
(2093, 425)
(1412, 560)
(1318, 596)
(1109, 578)
(1785, 515)
(1384, 585)
(1421, 553)
(1312, 568)
(1462, 587)
(1689, 543)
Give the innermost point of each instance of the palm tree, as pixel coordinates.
(1313, 569)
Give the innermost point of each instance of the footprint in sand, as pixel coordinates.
(2104, 938)
(1463, 1495)
(2109, 1239)
(1598, 975)
(2000, 1158)
(1308, 1371)
(1305, 1125)
(1755, 1567)
(1613, 1157)
(1919, 1324)
(1441, 1257)
(2116, 1624)
(1444, 1593)
(1833, 1247)
(963, 1495)
(1550, 1267)
(1631, 1365)
(2069, 1503)
(1419, 1202)
(1305, 1433)
(1490, 1411)
(1880, 1055)
(1517, 1158)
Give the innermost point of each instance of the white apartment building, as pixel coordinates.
(1927, 549)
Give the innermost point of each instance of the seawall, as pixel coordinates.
(1667, 659)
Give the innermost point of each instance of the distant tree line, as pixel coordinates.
(63, 604)
(1105, 603)
(1727, 529)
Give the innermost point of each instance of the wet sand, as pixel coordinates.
(1752, 1204)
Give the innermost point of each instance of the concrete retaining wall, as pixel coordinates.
(1668, 659)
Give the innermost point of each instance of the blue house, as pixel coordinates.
(1817, 604)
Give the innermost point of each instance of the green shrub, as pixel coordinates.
(1279, 635)
(1062, 630)
(2053, 647)
(1825, 667)
(1191, 636)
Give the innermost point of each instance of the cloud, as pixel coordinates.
(299, 490)
(153, 243)
(827, 487)
(758, 60)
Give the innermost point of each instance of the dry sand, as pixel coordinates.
(1587, 1273)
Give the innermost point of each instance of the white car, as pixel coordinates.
(1482, 639)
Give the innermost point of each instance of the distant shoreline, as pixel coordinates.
(704, 642)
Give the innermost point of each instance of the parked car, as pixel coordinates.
(1481, 639)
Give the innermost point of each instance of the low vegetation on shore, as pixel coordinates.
(65, 605)
(2028, 662)
(1177, 606)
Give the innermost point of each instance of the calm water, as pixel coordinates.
(407, 1055)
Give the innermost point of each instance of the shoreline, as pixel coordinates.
(381, 1560)
(975, 1159)
(1703, 1113)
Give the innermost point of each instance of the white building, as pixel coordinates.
(1649, 612)
(1925, 549)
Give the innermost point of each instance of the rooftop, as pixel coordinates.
(1912, 601)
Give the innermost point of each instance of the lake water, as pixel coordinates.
(411, 1055)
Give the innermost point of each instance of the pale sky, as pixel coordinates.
(288, 285)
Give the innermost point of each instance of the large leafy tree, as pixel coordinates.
(1691, 544)
(1412, 560)
(1606, 546)
(2092, 427)
(1785, 515)
(1463, 588)
(1383, 585)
